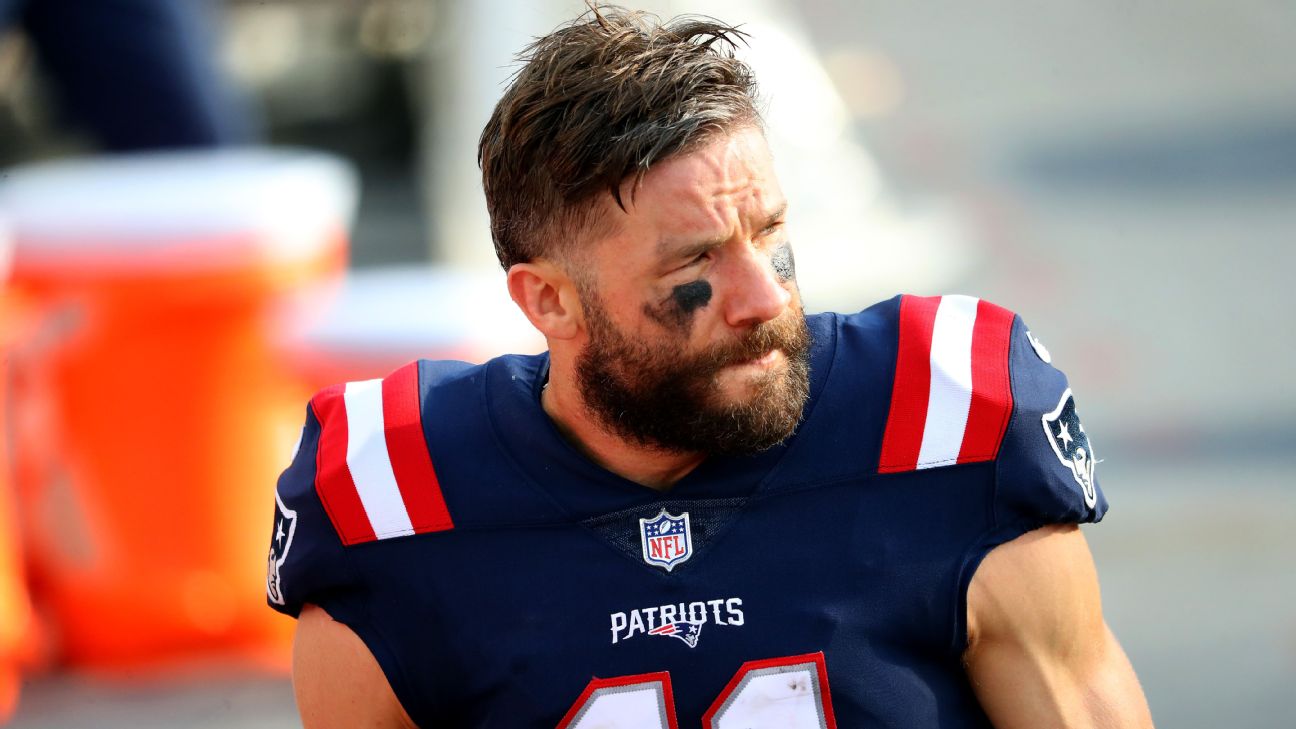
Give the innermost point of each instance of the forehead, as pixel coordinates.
(714, 190)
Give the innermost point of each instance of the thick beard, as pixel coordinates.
(660, 398)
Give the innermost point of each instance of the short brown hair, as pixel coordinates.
(596, 102)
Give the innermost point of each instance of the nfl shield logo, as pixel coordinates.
(666, 539)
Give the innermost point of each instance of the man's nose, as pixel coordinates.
(756, 294)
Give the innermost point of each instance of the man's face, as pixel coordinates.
(696, 337)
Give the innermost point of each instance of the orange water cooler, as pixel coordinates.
(376, 320)
(146, 482)
(17, 633)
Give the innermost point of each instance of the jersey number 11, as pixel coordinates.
(787, 693)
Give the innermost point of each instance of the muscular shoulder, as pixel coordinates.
(1039, 652)
(1042, 584)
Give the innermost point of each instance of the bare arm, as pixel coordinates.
(1039, 652)
(337, 682)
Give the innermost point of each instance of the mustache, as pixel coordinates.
(787, 334)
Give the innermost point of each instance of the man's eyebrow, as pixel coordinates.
(775, 217)
(666, 246)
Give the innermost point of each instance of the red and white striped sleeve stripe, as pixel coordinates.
(374, 474)
(951, 398)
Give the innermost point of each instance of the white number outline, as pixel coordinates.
(752, 669)
(748, 670)
(600, 686)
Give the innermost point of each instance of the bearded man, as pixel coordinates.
(700, 505)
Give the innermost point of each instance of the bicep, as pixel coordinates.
(337, 681)
(1040, 653)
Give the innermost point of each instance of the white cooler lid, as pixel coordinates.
(407, 312)
(191, 209)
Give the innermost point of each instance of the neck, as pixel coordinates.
(649, 467)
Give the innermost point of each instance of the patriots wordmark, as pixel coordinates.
(682, 620)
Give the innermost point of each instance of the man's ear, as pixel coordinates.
(548, 297)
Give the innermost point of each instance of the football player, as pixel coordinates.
(700, 505)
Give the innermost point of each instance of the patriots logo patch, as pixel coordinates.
(280, 542)
(1071, 444)
(686, 630)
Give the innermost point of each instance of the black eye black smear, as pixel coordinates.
(684, 300)
(783, 262)
(692, 296)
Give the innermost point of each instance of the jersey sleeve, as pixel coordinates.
(1045, 471)
(360, 480)
(307, 562)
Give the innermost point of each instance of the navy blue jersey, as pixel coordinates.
(501, 579)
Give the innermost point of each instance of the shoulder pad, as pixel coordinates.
(972, 385)
(375, 476)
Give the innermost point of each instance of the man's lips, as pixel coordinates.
(764, 361)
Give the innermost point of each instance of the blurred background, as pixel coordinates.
(210, 209)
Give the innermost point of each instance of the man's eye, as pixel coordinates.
(695, 260)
